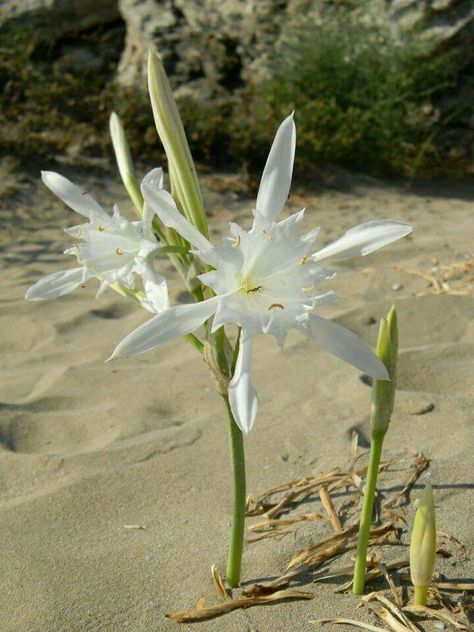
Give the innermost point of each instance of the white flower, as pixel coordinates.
(111, 249)
(265, 280)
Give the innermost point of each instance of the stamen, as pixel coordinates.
(275, 305)
(267, 235)
(236, 243)
(303, 260)
(308, 289)
(254, 289)
(118, 251)
(100, 228)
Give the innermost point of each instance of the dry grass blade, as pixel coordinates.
(342, 541)
(393, 589)
(395, 616)
(436, 614)
(353, 622)
(276, 533)
(413, 473)
(329, 508)
(395, 624)
(266, 525)
(211, 612)
(450, 586)
(371, 574)
(218, 583)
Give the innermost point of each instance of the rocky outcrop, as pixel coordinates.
(208, 46)
(212, 46)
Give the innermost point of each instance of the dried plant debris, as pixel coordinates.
(278, 508)
(202, 614)
(413, 474)
(357, 624)
(456, 278)
(221, 590)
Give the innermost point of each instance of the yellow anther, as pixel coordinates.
(100, 228)
(275, 305)
(303, 260)
(236, 243)
(254, 289)
(118, 251)
(308, 289)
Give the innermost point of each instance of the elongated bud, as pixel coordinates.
(423, 546)
(171, 132)
(124, 162)
(383, 392)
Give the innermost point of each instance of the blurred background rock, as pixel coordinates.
(378, 86)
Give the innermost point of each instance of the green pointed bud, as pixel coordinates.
(423, 546)
(171, 132)
(383, 391)
(124, 162)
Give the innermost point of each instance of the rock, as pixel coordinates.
(49, 20)
(209, 47)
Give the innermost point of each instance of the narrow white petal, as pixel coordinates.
(364, 239)
(55, 285)
(164, 206)
(73, 196)
(345, 345)
(242, 395)
(276, 179)
(170, 323)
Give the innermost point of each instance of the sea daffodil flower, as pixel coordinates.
(264, 280)
(110, 248)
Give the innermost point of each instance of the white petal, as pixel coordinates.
(242, 395)
(56, 284)
(176, 321)
(164, 206)
(345, 345)
(154, 178)
(73, 196)
(276, 179)
(364, 239)
(156, 291)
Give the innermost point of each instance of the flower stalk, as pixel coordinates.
(236, 540)
(423, 546)
(383, 396)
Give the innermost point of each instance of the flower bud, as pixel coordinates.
(124, 162)
(423, 546)
(383, 392)
(171, 132)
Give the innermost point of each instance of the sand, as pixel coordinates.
(88, 447)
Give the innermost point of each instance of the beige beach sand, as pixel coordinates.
(88, 447)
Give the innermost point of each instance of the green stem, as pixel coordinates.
(421, 593)
(197, 344)
(234, 557)
(366, 514)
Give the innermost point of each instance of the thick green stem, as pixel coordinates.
(236, 543)
(366, 514)
(421, 593)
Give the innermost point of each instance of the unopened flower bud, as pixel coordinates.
(423, 546)
(124, 162)
(383, 393)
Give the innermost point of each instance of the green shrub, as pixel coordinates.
(362, 94)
